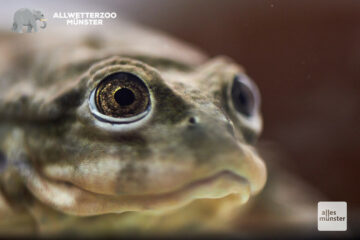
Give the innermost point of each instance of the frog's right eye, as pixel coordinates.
(244, 105)
(244, 95)
(121, 97)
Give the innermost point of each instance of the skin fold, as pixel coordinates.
(187, 166)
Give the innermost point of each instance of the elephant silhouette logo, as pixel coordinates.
(26, 17)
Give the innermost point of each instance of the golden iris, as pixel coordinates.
(122, 95)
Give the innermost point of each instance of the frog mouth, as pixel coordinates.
(74, 200)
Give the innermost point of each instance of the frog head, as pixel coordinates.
(118, 132)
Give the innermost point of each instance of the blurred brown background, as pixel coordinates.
(304, 56)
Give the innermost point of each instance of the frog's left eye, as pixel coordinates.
(120, 98)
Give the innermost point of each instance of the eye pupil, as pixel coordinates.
(124, 97)
(243, 96)
(243, 99)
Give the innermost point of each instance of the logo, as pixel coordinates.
(85, 18)
(332, 216)
(26, 17)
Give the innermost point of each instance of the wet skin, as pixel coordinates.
(124, 133)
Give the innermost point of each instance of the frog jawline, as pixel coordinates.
(74, 200)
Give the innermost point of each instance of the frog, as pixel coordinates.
(123, 131)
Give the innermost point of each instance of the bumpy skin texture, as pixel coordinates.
(187, 166)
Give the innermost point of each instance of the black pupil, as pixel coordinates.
(124, 97)
(243, 97)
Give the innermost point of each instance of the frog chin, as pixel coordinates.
(74, 200)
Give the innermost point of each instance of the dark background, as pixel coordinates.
(305, 58)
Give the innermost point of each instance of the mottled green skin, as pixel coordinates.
(63, 171)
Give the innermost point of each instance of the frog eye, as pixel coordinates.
(244, 95)
(121, 97)
(244, 104)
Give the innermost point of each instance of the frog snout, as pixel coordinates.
(215, 148)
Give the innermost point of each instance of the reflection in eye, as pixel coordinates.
(244, 95)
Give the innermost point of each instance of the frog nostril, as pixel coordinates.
(193, 120)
